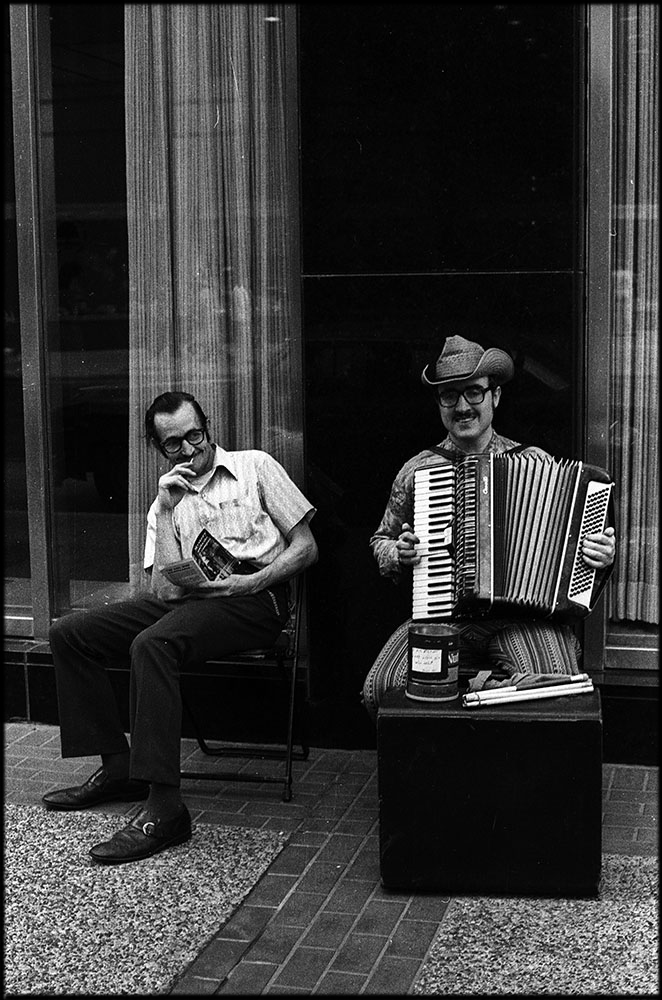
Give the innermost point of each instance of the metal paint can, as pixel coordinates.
(434, 655)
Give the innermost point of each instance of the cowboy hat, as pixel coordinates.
(462, 359)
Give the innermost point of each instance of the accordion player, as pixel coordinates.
(502, 534)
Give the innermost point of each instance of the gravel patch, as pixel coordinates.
(606, 945)
(75, 927)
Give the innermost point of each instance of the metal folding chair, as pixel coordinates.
(282, 658)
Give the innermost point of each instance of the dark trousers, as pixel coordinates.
(157, 639)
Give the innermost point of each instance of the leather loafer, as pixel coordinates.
(142, 837)
(97, 789)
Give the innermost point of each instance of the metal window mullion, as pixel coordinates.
(597, 379)
(33, 304)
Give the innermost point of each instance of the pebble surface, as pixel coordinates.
(606, 945)
(73, 926)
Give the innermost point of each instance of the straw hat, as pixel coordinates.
(461, 359)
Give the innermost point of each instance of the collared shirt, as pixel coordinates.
(400, 506)
(247, 501)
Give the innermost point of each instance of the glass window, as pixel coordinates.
(437, 136)
(88, 337)
(75, 419)
(439, 182)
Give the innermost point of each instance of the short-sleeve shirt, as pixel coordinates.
(247, 501)
(400, 506)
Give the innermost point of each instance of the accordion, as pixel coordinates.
(501, 534)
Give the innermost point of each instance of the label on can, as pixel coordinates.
(427, 661)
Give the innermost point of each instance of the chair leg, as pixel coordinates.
(287, 755)
(287, 790)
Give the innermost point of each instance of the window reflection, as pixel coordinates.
(88, 329)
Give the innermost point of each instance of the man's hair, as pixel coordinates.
(170, 402)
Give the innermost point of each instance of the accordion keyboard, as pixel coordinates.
(434, 576)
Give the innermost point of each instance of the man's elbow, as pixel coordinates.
(312, 553)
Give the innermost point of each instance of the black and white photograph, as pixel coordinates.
(331, 499)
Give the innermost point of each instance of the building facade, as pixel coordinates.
(285, 209)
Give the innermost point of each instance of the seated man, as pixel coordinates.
(467, 381)
(246, 501)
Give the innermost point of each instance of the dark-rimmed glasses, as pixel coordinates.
(172, 445)
(473, 394)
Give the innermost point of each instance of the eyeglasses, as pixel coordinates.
(172, 445)
(473, 394)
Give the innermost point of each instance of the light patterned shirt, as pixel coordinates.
(247, 501)
(400, 507)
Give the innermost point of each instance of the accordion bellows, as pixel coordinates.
(502, 534)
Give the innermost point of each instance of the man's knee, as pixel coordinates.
(64, 630)
(149, 646)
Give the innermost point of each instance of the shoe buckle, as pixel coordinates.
(149, 833)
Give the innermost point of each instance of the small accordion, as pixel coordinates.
(501, 535)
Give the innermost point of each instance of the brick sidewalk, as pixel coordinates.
(319, 920)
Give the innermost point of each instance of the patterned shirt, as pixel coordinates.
(246, 501)
(400, 507)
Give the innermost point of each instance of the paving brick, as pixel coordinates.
(629, 777)
(293, 860)
(320, 878)
(616, 836)
(340, 847)
(281, 824)
(304, 967)
(211, 803)
(349, 896)
(248, 978)
(412, 938)
(194, 986)
(317, 824)
(392, 975)
(277, 808)
(366, 864)
(379, 917)
(341, 984)
(217, 959)
(358, 953)
(271, 889)
(624, 812)
(36, 737)
(360, 827)
(274, 944)
(300, 908)
(246, 923)
(626, 795)
(287, 990)
(428, 907)
(307, 838)
(328, 929)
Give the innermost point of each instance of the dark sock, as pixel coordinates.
(116, 764)
(163, 801)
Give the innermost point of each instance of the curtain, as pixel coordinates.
(634, 334)
(210, 227)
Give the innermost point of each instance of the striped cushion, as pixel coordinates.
(535, 648)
